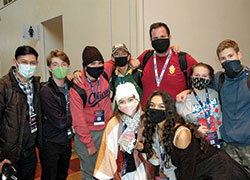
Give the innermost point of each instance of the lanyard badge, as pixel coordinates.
(206, 113)
(33, 123)
(162, 161)
(98, 114)
(212, 137)
(158, 80)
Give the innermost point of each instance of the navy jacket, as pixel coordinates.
(235, 103)
(56, 122)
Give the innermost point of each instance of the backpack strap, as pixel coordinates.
(221, 80)
(81, 92)
(182, 62)
(183, 65)
(48, 85)
(113, 79)
(137, 78)
(146, 58)
(248, 80)
(104, 74)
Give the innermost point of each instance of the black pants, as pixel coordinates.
(55, 161)
(26, 166)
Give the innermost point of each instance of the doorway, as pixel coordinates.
(53, 38)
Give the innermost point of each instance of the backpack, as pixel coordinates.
(136, 78)
(82, 93)
(182, 62)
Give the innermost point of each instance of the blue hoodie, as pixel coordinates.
(235, 103)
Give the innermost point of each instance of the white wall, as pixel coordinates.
(89, 22)
(198, 26)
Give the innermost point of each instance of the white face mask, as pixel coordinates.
(26, 71)
(129, 108)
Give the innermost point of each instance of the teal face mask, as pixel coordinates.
(26, 71)
(60, 72)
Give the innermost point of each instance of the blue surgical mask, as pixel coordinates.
(26, 71)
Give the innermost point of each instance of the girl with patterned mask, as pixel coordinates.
(202, 106)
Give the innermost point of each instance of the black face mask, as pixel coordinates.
(121, 61)
(200, 83)
(232, 68)
(95, 72)
(156, 115)
(160, 45)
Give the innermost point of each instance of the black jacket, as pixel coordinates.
(13, 114)
(53, 104)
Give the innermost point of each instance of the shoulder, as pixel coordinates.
(147, 51)
(190, 60)
(114, 121)
(216, 79)
(5, 83)
(37, 79)
(139, 70)
(45, 91)
(183, 138)
(44, 87)
(5, 80)
(212, 91)
(140, 57)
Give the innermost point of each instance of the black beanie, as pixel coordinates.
(90, 54)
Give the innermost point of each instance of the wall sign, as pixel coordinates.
(30, 32)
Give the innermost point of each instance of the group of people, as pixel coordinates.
(160, 116)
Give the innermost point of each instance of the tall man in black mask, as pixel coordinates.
(162, 70)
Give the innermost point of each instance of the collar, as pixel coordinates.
(128, 72)
(19, 81)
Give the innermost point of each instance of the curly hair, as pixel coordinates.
(169, 126)
(172, 117)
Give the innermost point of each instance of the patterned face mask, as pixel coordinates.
(200, 83)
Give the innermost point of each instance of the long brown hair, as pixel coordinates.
(172, 117)
(169, 126)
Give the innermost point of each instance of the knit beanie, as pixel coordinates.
(90, 54)
(126, 90)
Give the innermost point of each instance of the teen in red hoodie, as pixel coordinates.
(90, 120)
